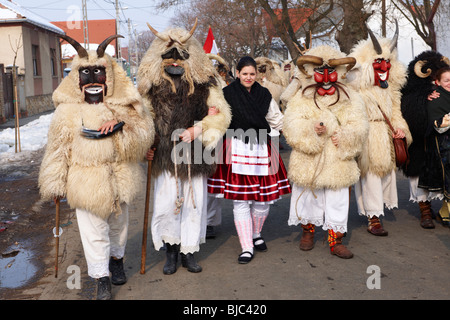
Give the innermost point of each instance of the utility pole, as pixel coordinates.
(136, 48)
(129, 51)
(118, 50)
(383, 18)
(85, 25)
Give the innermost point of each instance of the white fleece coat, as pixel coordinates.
(378, 153)
(315, 162)
(96, 174)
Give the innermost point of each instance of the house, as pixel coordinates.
(98, 30)
(38, 62)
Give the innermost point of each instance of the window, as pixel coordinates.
(36, 63)
(53, 61)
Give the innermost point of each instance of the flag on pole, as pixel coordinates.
(210, 45)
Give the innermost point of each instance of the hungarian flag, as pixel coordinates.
(210, 45)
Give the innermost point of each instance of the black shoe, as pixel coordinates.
(244, 259)
(210, 232)
(260, 247)
(118, 276)
(104, 289)
(172, 251)
(188, 261)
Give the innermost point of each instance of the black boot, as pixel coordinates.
(188, 261)
(118, 276)
(104, 289)
(172, 251)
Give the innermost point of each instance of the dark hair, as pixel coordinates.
(246, 62)
(441, 71)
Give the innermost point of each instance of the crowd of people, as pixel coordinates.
(183, 115)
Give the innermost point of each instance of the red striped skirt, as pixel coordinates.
(249, 187)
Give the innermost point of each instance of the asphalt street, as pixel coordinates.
(411, 263)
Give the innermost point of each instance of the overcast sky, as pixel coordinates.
(139, 11)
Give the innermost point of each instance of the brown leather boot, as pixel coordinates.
(375, 227)
(426, 219)
(307, 240)
(336, 246)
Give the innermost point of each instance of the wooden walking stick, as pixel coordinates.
(56, 234)
(147, 205)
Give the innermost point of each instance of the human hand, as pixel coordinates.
(150, 154)
(445, 121)
(107, 126)
(212, 111)
(190, 134)
(320, 128)
(433, 95)
(398, 134)
(335, 139)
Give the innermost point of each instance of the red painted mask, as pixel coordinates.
(325, 76)
(381, 69)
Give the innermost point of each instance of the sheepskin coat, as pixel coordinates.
(179, 110)
(315, 162)
(96, 174)
(378, 155)
(414, 106)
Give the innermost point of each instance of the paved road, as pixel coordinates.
(411, 263)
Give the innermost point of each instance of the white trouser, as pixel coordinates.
(249, 220)
(102, 239)
(325, 207)
(214, 211)
(373, 192)
(188, 227)
(417, 194)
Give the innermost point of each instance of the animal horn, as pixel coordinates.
(308, 59)
(376, 44)
(347, 60)
(82, 53)
(446, 60)
(394, 40)
(219, 59)
(186, 38)
(102, 46)
(418, 69)
(156, 33)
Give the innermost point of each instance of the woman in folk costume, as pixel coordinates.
(251, 172)
(179, 84)
(380, 77)
(97, 171)
(326, 126)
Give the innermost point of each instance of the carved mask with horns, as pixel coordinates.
(176, 52)
(92, 76)
(382, 64)
(321, 69)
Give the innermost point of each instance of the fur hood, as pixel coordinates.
(96, 175)
(378, 153)
(199, 64)
(365, 55)
(178, 107)
(121, 90)
(315, 162)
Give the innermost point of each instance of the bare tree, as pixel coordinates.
(238, 25)
(318, 11)
(420, 13)
(143, 41)
(354, 26)
(15, 49)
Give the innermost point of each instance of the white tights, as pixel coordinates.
(249, 220)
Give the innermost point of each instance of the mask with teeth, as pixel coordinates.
(381, 68)
(92, 83)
